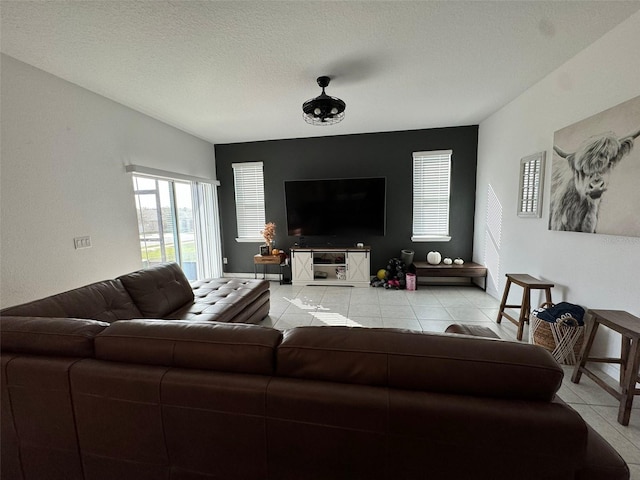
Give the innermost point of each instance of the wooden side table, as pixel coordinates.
(628, 326)
(265, 260)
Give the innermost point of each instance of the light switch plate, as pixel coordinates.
(82, 242)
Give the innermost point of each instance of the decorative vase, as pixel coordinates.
(434, 258)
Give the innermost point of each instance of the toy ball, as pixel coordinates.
(381, 274)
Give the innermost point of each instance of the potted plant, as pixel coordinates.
(269, 233)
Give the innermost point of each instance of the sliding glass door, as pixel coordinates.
(177, 223)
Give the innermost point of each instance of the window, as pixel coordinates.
(531, 177)
(177, 222)
(249, 190)
(431, 188)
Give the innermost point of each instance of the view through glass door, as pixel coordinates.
(167, 214)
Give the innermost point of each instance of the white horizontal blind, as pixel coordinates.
(431, 189)
(249, 191)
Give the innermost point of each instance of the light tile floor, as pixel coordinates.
(433, 309)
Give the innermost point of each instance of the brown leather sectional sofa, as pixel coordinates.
(193, 400)
(162, 291)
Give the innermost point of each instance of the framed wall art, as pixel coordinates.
(595, 173)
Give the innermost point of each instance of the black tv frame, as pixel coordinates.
(350, 208)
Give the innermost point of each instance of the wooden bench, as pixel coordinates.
(469, 270)
(628, 326)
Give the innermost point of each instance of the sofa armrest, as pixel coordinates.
(603, 462)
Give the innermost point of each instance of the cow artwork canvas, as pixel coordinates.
(596, 172)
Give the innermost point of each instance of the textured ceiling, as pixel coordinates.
(240, 71)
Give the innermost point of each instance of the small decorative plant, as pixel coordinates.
(269, 233)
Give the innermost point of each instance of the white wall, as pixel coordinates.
(64, 151)
(596, 271)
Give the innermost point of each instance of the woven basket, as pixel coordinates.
(562, 341)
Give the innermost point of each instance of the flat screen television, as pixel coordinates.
(347, 207)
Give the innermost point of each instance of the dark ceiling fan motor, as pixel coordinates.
(324, 109)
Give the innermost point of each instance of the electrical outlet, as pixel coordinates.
(82, 242)
(224, 260)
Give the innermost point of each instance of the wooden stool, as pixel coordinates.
(528, 283)
(629, 327)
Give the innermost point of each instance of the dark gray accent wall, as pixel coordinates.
(387, 154)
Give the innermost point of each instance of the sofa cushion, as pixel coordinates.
(224, 300)
(65, 337)
(420, 361)
(159, 290)
(227, 290)
(206, 345)
(106, 301)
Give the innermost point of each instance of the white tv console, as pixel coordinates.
(331, 266)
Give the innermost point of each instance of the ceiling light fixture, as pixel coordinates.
(323, 110)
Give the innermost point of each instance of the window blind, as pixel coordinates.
(431, 192)
(249, 193)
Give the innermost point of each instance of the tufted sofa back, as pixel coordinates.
(158, 290)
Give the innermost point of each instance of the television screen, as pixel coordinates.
(349, 207)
